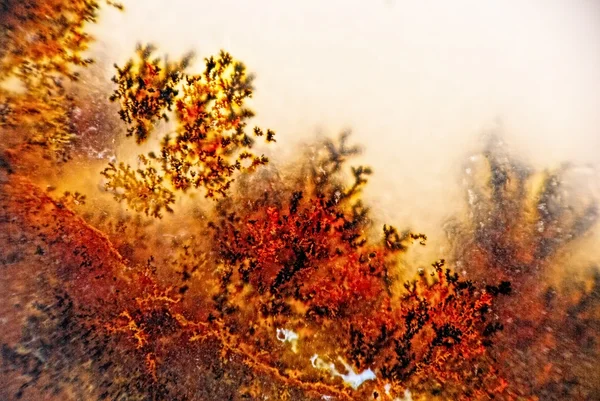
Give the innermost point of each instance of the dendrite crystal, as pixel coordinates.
(283, 285)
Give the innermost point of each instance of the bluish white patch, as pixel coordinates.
(285, 335)
(350, 378)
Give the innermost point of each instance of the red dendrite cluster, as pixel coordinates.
(303, 258)
(278, 290)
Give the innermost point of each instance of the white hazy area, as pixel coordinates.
(418, 82)
(351, 378)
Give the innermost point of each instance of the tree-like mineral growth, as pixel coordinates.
(42, 46)
(288, 283)
(300, 258)
(279, 290)
(209, 143)
(520, 224)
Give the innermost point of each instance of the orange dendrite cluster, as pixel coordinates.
(520, 232)
(209, 143)
(279, 289)
(41, 46)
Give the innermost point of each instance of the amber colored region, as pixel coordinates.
(209, 274)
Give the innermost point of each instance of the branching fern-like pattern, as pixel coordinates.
(519, 226)
(41, 47)
(210, 142)
(277, 290)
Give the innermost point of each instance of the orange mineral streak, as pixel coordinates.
(151, 365)
(302, 260)
(82, 256)
(306, 250)
(279, 273)
(153, 319)
(298, 258)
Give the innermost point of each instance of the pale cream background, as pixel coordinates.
(417, 81)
